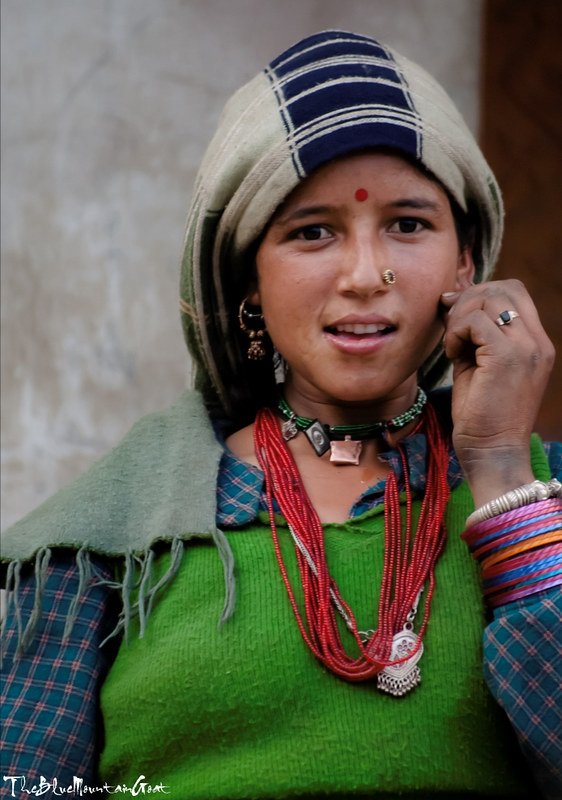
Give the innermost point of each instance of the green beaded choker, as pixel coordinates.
(320, 435)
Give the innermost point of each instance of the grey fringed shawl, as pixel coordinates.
(158, 485)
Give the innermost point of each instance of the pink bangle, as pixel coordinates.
(509, 597)
(533, 544)
(522, 560)
(508, 518)
(504, 588)
(547, 523)
(519, 551)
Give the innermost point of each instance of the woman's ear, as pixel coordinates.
(253, 296)
(465, 269)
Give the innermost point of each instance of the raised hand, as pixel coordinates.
(501, 359)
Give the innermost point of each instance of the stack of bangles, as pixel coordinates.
(517, 539)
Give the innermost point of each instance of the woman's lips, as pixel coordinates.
(359, 328)
(359, 338)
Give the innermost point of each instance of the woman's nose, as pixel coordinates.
(361, 272)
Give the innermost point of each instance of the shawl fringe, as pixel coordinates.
(137, 589)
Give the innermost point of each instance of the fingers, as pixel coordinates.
(493, 297)
(500, 372)
(473, 329)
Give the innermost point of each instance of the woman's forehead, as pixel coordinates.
(360, 175)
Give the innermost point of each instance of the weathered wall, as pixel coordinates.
(106, 109)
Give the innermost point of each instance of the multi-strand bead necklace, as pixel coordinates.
(389, 653)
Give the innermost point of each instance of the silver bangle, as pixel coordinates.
(522, 496)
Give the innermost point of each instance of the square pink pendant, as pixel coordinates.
(346, 452)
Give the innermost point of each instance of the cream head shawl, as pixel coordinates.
(328, 95)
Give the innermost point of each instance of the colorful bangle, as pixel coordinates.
(515, 522)
(524, 532)
(516, 498)
(526, 591)
(523, 560)
(515, 574)
(519, 551)
(535, 542)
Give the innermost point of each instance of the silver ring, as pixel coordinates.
(506, 318)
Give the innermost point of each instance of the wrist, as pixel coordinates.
(493, 473)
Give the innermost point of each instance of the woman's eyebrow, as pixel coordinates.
(301, 213)
(421, 203)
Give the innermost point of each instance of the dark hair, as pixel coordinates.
(466, 224)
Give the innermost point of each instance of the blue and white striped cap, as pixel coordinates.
(330, 94)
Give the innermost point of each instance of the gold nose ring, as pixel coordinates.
(388, 277)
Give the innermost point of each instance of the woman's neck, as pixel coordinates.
(333, 411)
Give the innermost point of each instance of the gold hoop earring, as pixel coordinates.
(256, 349)
(388, 277)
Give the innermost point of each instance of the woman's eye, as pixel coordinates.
(408, 225)
(311, 233)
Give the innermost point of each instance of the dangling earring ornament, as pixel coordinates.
(256, 350)
(388, 277)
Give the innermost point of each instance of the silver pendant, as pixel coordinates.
(289, 430)
(317, 437)
(346, 452)
(399, 679)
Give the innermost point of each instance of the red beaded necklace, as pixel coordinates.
(392, 650)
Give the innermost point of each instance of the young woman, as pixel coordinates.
(369, 528)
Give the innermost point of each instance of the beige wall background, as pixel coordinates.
(106, 110)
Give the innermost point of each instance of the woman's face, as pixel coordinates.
(348, 337)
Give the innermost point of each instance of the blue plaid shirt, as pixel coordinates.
(51, 693)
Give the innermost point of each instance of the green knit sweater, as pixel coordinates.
(243, 709)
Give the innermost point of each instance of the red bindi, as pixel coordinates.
(361, 194)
